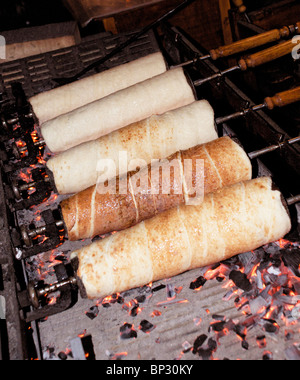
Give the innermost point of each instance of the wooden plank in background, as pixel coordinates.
(201, 19)
(86, 10)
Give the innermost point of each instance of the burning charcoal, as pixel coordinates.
(156, 313)
(240, 280)
(198, 342)
(205, 353)
(270, 326)
(296, 312)
(62, 356)
(267, 355)
(106, 305)
(240, 330)
(146, 326)
(259, 280)
(212, 344)
(141, 298)
(265, 261)
(296, 284)
(127, 331)
(281, 280)
(93, 312)
(265, 293)
(271, 248)
(170, 291)
(187, 347)
(218, 326)
(228, 295)
(61, 258)
(291, 258)
(110, 300)
(117, 356)
(159, 287)
(289, 300)
(257, 304)
(135, 310)
(198, 283)
(218, 317)
(261, 341)
(288, 334)
(250, 259)
(146, 289)
(290, 318)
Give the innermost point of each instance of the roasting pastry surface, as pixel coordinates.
(157, 95)
(153, 138)
(99, 210)
(50, 104)
(233, 220)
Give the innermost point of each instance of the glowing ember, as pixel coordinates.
(25, 175)
(127, 331)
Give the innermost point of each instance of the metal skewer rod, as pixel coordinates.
(293, 200)
(278, 100)
(254, 60)
(245, 44)
(37, 143)
(28, 235)
(35, 293)
(272, 148)
(18, 189)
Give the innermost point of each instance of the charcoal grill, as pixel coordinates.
(190, 316)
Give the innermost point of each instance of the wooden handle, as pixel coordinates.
(283, 98)
(250, 43)
(240, 4)
(267, 55)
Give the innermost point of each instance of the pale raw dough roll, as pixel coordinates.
(50, 104)
(94, 212)
(154, 96)
(230, 221)
(156, 137)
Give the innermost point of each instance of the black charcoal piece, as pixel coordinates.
(245, 344)
(240, 280)
(157, 288)
(127, 331)
(62, 356)
(135, 310)
(199, 282)
(146, 326)
(267, 355)
(93, 312)
(141, 298)
(218, 326)
(198, 342)
(271, 326)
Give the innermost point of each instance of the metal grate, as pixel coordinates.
(35, 73)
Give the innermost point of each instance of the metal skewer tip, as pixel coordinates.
(272, 148)
(220, 74)
(293, 200)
